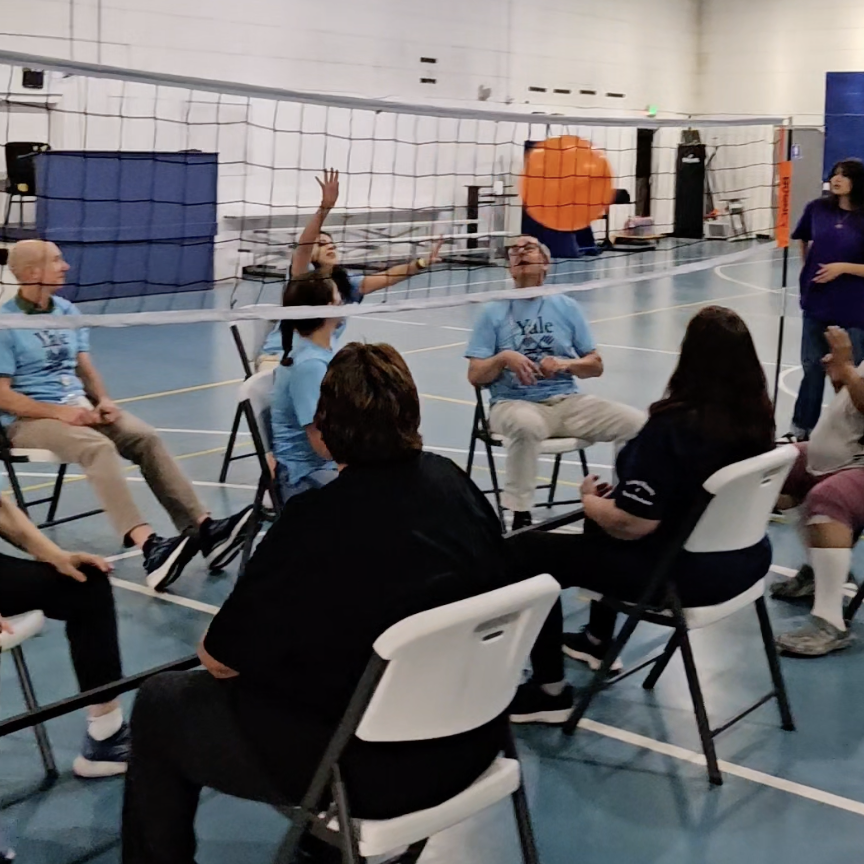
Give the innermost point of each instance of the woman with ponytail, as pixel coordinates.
(302, 462)
(316, 252)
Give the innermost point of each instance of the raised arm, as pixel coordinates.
(400, 272)
(302, 257)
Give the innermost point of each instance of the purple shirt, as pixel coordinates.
(835, 235)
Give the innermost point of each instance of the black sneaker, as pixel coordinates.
(521, 519)
(222, 539)
(532, 704)
(164, 559)
(579, 647)
(104, 758)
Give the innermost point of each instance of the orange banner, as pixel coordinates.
(784, 195)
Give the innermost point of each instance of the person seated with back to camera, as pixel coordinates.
(52, 397)
(71, 587)
(317, 252)
(301, 462)
(716, 411)
(529, 353)
(826, 485)
(287, 650)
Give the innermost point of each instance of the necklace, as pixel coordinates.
(841, 222)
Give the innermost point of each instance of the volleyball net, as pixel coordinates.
(179, 199)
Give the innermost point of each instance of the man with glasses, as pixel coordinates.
(529, 353)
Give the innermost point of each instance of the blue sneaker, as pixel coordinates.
(104, 758)
(221, 540)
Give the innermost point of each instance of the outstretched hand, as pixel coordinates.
(329, 188)
(435, 253)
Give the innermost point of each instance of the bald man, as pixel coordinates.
(52, 397)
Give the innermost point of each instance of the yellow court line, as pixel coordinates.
(144, 396)
(66, 480)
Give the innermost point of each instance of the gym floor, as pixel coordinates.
(629, 786)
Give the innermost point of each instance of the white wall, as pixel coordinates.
(771, 56)
(642, 48)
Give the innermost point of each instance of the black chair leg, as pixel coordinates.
(350, 847)
(496, 489)
(232, 440)
(254, 527)
(16, 487)
(553, 483)
(520, 809)
(471, 448)
(583, 458)
(786, 720)
(702, 722)
(32, 705)
(854, 605)
(55, 495)
(659, 667)
(598, 681)
(7, 214)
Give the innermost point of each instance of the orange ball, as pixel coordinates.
(567, 184)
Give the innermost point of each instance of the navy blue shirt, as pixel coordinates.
(835, 236)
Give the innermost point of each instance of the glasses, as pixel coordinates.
(515, 251)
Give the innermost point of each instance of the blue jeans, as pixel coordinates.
(315, 480)
(814, 347)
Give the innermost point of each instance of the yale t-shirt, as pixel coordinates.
(43, 363)
(543, 327)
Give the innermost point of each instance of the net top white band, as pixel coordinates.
(228, 88)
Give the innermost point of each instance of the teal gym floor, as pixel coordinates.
(628, 787)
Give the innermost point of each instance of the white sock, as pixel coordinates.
(830, 569)
(103, 727)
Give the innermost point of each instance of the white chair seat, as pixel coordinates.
(36, 455)
(698, 617)
(703, 616)
(25, 626)
(551, 446)
(379, 836)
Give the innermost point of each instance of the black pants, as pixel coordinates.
(186, 735)
(86, 607)
(618, 569)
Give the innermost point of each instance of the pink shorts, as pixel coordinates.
(838, 496)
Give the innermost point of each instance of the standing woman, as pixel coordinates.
(317, 251)
(831, 232)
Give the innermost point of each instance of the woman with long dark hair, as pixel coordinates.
(831, 232)
(301, 462)
(716, 411)
(317, 251)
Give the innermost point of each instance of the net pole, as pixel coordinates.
(784, 278)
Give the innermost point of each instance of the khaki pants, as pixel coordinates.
(526, 424)
(98, 450)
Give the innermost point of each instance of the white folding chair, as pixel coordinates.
(438, 673)
(557, 447)
(253, 398)
(24, 627)
(249, 338)
(732, 514)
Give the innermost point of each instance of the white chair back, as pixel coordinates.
(254, 332)
(744, 493)
(454, 668)
(258, 390)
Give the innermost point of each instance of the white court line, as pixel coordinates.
(820, 796)
(176, 599)
(202, 431)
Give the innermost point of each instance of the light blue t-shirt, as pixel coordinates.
(43, 363)
(296, 389)
(273, 342)
(543, 327)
